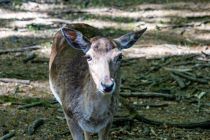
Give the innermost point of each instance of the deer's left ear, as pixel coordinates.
(127, 40)
(76, 39)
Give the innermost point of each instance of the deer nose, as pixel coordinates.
(108, 87)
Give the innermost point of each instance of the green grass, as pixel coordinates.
(13, 67)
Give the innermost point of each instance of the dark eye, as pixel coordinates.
(119, 58)
(88, 57)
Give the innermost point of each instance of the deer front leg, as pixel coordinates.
(88, 136)
(104, 133)
(76, 131)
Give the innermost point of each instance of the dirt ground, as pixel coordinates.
(172, 58)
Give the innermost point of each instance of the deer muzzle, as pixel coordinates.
(108, 87)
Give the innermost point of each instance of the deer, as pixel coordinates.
(84, 77)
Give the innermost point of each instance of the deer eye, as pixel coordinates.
(88, 57)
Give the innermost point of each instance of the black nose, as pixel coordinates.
(108, 88)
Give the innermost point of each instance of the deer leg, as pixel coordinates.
(76, 131)
(104, 133)
(88, 136)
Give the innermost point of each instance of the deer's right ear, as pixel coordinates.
(76, 39)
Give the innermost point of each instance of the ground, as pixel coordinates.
(171, 58)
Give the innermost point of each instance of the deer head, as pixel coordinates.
(103, 55)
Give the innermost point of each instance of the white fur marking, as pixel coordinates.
(54, 92)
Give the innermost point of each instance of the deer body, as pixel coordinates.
(86, 87)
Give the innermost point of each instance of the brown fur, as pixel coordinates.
(79, 84)
(69, 75)
(103, 45)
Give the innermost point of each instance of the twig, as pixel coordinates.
(178, 80)
(33, 127)
(31, 105)
(29, 57)
(177, 70)
(8, 80)
(20, 49)
(157, 67)
(199, 96)
(185, 63)
(148, 95)
(135, 115)
(181, 26)
(8, 135)
(39, 61)
(150, 105)
(201, 65)
(175, 26)
(132, 89)
(205, 22)
(190, 77)
(69, 11)
(205, 54)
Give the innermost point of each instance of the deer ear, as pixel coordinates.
(127, 40)
(76, 39)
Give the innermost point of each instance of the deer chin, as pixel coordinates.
(103, 92)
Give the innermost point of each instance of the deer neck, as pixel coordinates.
(95, 103)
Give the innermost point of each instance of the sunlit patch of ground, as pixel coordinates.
(163, 50)
(34, 89)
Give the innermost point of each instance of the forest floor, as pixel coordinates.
(172, 59)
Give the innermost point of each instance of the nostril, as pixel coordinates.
(108, 88)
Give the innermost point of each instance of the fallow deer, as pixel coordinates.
(84, 77)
